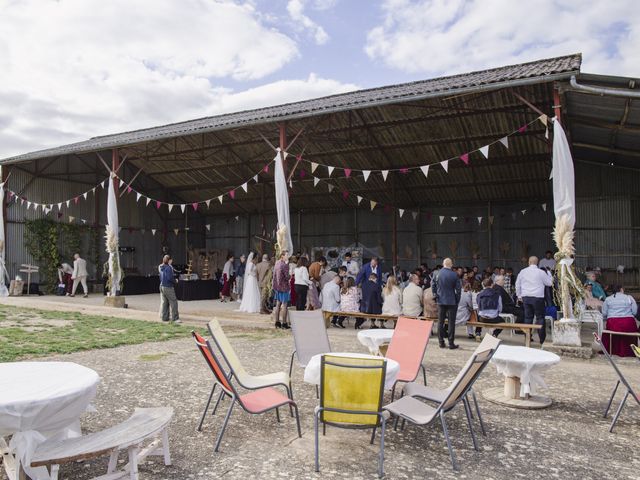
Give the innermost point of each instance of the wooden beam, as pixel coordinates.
(600, 148)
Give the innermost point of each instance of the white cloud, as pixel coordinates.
(452, 36)
(78, 68)
(303, 22)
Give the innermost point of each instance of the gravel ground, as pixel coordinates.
(568, 440)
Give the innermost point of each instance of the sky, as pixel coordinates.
(74, 69)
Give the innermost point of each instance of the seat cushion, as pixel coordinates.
(259, 381)
(263, 399)
(412, 409)
(414, 389)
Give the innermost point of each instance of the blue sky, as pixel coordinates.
(73, 69)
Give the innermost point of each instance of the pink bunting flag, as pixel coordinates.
(465, 158)
(195, 206)
(347, 172)
(76, 200)
(522, 129)
(303, 173)
(404, 170)
(158, 203)
(232, 194)
(266, 168)
(345, 194)
(129, 189)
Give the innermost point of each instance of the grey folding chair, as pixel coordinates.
(436, 395)
(258, 401)
(417, 412)
(309, 338)
(621, 379)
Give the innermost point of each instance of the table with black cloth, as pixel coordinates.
(141, 285)
(197, 290)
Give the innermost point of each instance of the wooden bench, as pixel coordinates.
(526, 328)
(611, 334)
(145, 423)
(372, 316)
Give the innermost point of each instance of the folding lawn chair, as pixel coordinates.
(259, 401)
(407, 347)
(621, 379)
(420, 413)
(351, 397)
(309, 337)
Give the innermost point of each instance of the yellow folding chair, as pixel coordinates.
(351, 392)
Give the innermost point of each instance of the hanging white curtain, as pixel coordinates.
(564, 197)
(4, 275)
(112, 231)
(282, 204)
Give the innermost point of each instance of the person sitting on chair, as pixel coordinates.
(619, 310)
(489, 307)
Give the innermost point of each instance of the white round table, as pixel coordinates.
(522, 368)
(312, 370)
(39, 400)
(374, 338)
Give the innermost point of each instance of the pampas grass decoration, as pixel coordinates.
(570, 287)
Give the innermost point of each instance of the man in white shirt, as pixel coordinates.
(548, 261)
(79, 275)
(350, 265)
(530, 286)
(412, 297)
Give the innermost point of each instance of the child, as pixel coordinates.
(371, 300)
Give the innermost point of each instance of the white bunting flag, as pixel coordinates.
(523, 212)
(359, 199)
(153, 232)
(445, 165)
(60, 206)
(220, 199)
(425, 170)
(373, 204)
(83, 221)
(28, 205)
(171, 207)
(208, 202)
(441, 219)
(85, 195)
(104, 184)
(208, 227)
(315, 181)
(331, 187)
(93, 190)
(485, 151)
(291, 183)
(505, 141)
(454, 218)
(414, 214)
(365, 174)
(183, 206)
(400, 212)
(313, 167)
(384, 174)
(237, 218)
(491, 219)
(544, 119)
(121, 183)
(255, 178)
(176, 230)
(68, 201)
(330, 170)
(479, 220)
(546, 133)
(148, 201)
(71, 219)
(138, 195)
(244, 187)
(544, 207)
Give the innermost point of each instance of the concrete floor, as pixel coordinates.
(568, 440)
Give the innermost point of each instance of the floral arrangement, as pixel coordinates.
(569, 286)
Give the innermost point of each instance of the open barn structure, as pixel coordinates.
(484, 210)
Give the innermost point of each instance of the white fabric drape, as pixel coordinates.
(112, 246)
(282, 199)
(564, 197)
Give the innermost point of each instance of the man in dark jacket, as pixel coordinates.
(371, 301)
(366, 271)
(447, 296)
(489, 306)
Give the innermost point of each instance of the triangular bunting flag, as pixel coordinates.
(182, 207)
(153, 232)
(373, 204)
(522, 129)
(208, 226)
(176, 230)
(71, 219)
(129, 189)
(445, 165)
(255, 178)
(232, 194)
(404, 171)
(148, 201)
(85, 195)
(313, 167)
(347, 172)
(345, 194)
(546, 133)
(208, 202)
(384, 174)
(366, 174)
(330, 170)
(170, 207)
(359, 199)
(414, 215)
(266, 168)
(479, 220)
(220, 199)
(330, 187)
(544, 119)
(544, 207)
(441, 219)
(60, 206)
(465, 158)
(138, 195)
(505, 141)
(104, 184)
(485, 151)
(158, 203)
(244, 187)
(523, 212)
(68, 201)
(425, 170)
(291, 183)
(400, 212)
(315, 181)
(491, 219)
(237, 217)
(84, 221)
(76, 200)
(28, 205)
(121, 183)
(454, 218)
(303, 173)
(195, 206)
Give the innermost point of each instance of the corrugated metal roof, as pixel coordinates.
(527, 73)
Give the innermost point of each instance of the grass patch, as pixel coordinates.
(30, 333)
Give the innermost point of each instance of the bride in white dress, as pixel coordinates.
(251, 291)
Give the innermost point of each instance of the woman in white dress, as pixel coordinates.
(392, 299)
(251, 291)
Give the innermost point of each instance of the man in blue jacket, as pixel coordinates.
(447, 296)
(366, 271)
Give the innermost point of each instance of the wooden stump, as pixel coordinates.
(512, 387)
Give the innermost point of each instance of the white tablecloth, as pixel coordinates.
(526, 363)
(39, 400)
(373, 338)
(312, 370)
